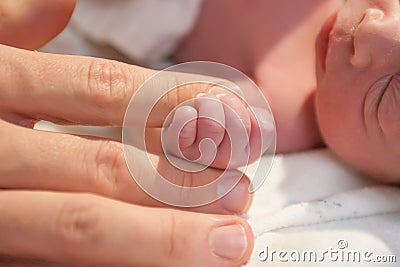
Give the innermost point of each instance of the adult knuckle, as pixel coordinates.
(79, 223)
(170, 246)
(175, 241)
(105, 165)
(108, 82)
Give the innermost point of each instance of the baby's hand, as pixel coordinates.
(218, 129)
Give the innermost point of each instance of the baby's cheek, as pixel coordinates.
(389, 110)
(326, 116)
(346, 136)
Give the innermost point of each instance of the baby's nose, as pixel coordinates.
(368, 38)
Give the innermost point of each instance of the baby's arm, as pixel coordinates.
(207, 130)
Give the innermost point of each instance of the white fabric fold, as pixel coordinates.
(144, 30)
(313, 201)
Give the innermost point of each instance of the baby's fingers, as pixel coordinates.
(182, 131)
(234, 149)
(210, 130)
(211, 123)
(85, 229)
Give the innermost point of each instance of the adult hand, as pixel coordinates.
(30, 24)
(85, 228)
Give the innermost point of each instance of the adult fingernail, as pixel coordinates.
(237, 200)
(229, 241)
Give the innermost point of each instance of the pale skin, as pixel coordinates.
(71, 199)
(356, 87)
(224, 118)
(48, 235)
(230, 32)
(272, 42)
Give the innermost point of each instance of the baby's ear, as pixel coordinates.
(29, 24)
(389, 109)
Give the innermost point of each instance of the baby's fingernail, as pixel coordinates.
(238, 199)
(229, 241)
(200, 95)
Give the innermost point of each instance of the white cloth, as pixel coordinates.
(146, 31)
(312, 200)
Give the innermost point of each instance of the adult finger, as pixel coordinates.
(30, 24)
(82, 90)
(48, 161)
(81, 228)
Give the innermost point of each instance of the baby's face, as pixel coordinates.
(358, 96)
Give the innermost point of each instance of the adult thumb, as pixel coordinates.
(29, 24)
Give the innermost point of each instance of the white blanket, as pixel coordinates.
(313, 203)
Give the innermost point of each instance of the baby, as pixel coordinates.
(358, 95)
(273, 42)
(358, 90)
